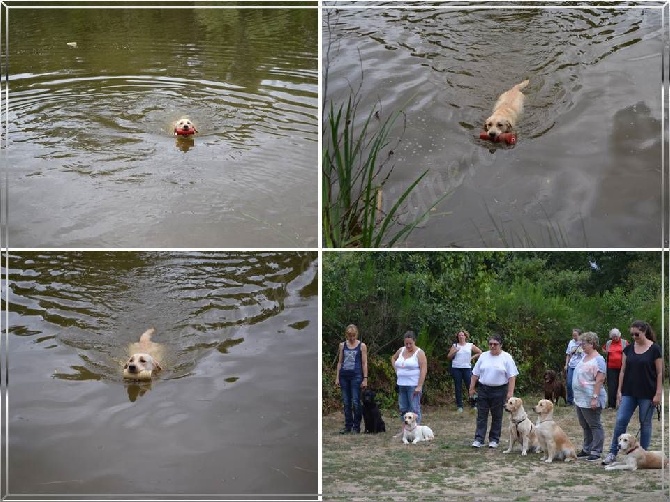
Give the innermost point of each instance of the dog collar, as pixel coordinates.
(408, 429)
(525, 417)
(631, 451)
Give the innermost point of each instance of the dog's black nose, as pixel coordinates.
(492, 134)
(132, 368)
(185, 128)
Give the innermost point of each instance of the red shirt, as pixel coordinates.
(614, 354)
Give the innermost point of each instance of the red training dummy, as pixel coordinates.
(182, 132)
(507, 137)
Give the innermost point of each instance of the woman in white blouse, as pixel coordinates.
(461, 354)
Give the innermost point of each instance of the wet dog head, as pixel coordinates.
(141, 362)
(184, 125)
(496, 125)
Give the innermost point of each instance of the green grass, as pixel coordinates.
(380, 467)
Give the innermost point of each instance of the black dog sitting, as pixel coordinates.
(371, 414)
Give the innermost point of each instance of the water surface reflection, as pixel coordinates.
(586, 171)
(229, 413)
(91, 152)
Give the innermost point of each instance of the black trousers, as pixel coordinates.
(490, 400)
(612, 386)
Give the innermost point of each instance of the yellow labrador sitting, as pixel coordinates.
(413, 432)
(145, 354)
(506, 111)
(521, 428)
(636, 456)
(553, 440)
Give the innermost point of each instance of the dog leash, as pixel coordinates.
(650, 411)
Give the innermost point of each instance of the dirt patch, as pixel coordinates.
(380, 467)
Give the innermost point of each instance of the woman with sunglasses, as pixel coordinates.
(496, 372)
(640, 385)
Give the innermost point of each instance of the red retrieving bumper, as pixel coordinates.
(507, 137)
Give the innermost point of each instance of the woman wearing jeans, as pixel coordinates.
(352, 375)
(640, 385)
(461, 357)
(411, 366)
(496, 372)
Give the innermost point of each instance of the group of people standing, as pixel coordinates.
(409, 362)
(633, 373)
(634, 376)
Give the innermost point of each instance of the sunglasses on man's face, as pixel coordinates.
(493, 344)
(635, 334)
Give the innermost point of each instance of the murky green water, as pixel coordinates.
(235, 409)
(92, 158)
(586, 170)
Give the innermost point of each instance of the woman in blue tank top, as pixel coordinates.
(352, 375)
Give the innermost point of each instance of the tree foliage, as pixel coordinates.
(533, 299)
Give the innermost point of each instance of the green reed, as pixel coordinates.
(354, 163)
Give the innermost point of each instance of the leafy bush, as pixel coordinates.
(533, 299)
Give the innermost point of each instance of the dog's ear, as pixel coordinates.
(508, 126)
(157, 367)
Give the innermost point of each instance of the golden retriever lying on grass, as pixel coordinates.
(636, 457)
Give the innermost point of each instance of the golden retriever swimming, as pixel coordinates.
(553, 440)
(506, 111)
(521, 428)
(636, 456)
(184, 126)
(144, 359)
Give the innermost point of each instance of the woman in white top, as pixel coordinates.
(461, 355)
(496, 373)
(588, 391)
(573, 355)
(411, 366)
